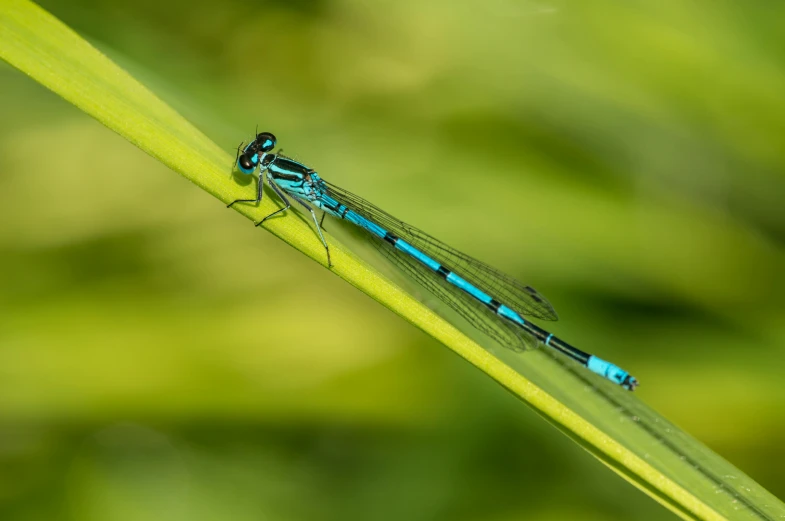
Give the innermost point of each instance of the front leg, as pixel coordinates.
(259, 192)
(237, 156)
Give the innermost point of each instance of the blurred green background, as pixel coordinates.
(625, 158)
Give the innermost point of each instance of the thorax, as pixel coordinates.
(296, 178)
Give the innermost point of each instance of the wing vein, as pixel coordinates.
(523, 299)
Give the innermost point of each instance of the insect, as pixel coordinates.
(488, 299)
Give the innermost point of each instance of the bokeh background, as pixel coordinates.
(625, 158)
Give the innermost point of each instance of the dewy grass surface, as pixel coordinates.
(611, 424)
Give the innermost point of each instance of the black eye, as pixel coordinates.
(265, 142)
(246, 163)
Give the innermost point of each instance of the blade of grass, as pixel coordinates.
(614, 426)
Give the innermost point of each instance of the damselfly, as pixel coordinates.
(491, 301)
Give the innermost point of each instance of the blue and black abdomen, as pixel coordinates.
(502, 314)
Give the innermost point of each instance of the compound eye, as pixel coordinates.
(246, 164)
(265, 141)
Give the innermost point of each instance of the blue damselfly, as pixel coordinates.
(489, 300)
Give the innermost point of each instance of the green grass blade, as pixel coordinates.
(611, 424)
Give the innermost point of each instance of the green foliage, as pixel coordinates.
(612, 425)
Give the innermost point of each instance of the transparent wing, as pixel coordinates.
(477, 314)
(523, 299)
(481, 275)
